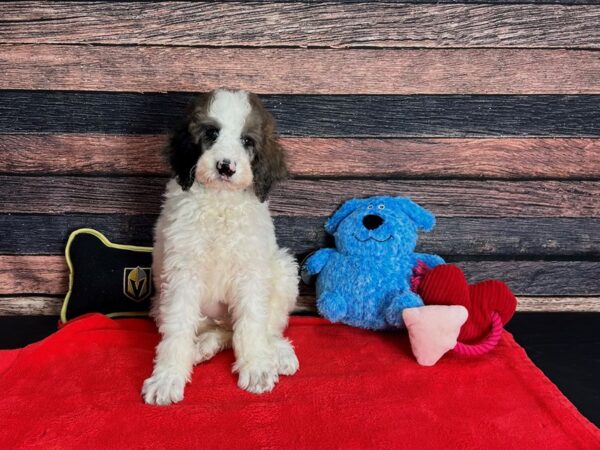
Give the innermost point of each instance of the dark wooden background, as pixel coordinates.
(488, 113)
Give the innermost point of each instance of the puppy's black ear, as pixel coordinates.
(268, 166)
(270, 159)
(182, 154)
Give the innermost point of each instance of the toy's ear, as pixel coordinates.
(343, 211)
(423, 218)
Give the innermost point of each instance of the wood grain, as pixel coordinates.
(84, 154)
(558, 304)
(506, 158)
(454, 198)
(301, 24)
(30, 306)
(447, 198)
(453, 236)
(407, 71)
(526, 277)
(306, 304)
(50, 306)
(49, 275)
(33, 274)
(313, 115)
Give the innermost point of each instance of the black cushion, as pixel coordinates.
(107, 278)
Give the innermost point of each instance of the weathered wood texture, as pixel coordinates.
(306, 304)
(453, 198)
(558, 304)
(33, 274)
(486, 112)
(303, 25)
(313, 115)
(84, 154)
(30, 306)
(284, 71)
(50, 306)
(453, 236)
(509, 158)
(49, 275)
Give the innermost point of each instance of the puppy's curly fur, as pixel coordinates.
(220, 277)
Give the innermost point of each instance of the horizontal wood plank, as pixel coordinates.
(49, 275)
(84, 154)
(453, 236)
(30, 306)
(306, 304)
(313, 115)
(33, 275)
(508, 158)
(50, 306)
(447, 198)
(301, 24)
(453, 198)
(408, 71)
(548, 278)
(558, 304)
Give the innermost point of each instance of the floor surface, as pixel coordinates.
(566, 346)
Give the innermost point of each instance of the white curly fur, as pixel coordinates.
(220, 277)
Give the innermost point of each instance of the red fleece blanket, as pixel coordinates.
(80, 388)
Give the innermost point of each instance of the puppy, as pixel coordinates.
(220, 277)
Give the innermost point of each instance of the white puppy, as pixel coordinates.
(220, 277)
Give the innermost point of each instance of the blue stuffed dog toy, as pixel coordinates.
(365, 280)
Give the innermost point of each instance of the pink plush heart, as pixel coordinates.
(433, 330)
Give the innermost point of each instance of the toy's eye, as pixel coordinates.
(370, 207)
(381, 206)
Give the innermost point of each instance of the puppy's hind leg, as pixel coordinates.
(211, 340)
(287, 361)
(284, 293)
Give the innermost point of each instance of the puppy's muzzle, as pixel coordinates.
(226, 168)
(372, 222)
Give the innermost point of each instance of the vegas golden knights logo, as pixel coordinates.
(137, 283)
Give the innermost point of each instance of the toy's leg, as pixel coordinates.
(332, 306)
(393, 313)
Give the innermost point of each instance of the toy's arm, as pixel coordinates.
(315, 262)
(430, 260)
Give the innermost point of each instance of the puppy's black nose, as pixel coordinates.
(225, 167)
(372, 222)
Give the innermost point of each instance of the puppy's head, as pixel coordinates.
(228, 141)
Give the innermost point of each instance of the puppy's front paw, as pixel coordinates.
(163, 388)
(257, 376)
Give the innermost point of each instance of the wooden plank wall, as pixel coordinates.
(488, 113)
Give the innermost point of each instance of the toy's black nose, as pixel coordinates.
(372, 222)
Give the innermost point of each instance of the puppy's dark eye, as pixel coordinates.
(248, 142)
(211, 134)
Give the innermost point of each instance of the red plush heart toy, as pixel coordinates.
(446, 285)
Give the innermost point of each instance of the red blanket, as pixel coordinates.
(80, 388)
